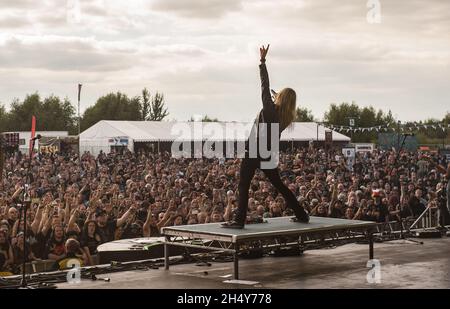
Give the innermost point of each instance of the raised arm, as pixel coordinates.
(37, 219)
(333, 198)
(72, 221)
(121, 221)
(268, 105)
(146, 230)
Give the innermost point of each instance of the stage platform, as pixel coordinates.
(404, 264)
(275, 232)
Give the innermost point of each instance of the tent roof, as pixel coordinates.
(150, 131)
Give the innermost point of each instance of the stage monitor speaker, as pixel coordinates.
(429, 234)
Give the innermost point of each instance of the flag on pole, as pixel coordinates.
(33, 133)
(79, 117)
(79, 91)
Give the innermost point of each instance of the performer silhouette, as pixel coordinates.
(281, 113)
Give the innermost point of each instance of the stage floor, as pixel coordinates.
(404, 264)
(274, 226)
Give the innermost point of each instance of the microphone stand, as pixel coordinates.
(26, 204)
(402, 235)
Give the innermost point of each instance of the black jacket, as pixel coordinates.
(267, 114)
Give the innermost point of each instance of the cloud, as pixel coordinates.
(95, 8)
(65, 53)
(206, 9)
(18, 3)
(8, 22)
(203, 54)
(54, 53)
(400, 16)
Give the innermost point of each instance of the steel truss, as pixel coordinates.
(229, 244)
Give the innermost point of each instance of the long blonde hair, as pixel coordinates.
(285, 102)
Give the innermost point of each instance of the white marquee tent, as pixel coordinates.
(107, 133)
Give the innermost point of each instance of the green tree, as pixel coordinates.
(365, 117)
(205, 118)
(446, 119)
(152, 108)
(52, 114)
(158, 110)
(433, 132)
(146, 106)
(58, 115)
(340, 114)
(21, 113)
(113, 106)
(302, 114)
(389, 119)
(3, 119)
(446, 131)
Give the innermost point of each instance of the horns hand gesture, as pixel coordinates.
(263, 52)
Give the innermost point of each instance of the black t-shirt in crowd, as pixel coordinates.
(2, 261)
(405, 212)
(131, 231)
(336, 213)
(11, 222)
(107, 232)
(4, 252)
(416, 206)
(90, 242)
(37, 242)
(38, 248)
(358, 168)
(19, 253)
(154, 231)
(366, 217)
(86, 195)
(383, 211)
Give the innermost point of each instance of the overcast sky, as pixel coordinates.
(203, 54)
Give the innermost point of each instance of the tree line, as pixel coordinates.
(56, 114)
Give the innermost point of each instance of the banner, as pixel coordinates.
(33, 133)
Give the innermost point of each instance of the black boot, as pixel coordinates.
(301, 218)
(233, 224)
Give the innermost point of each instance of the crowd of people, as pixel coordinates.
(76, 204)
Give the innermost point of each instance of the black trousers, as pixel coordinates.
(247, 171)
